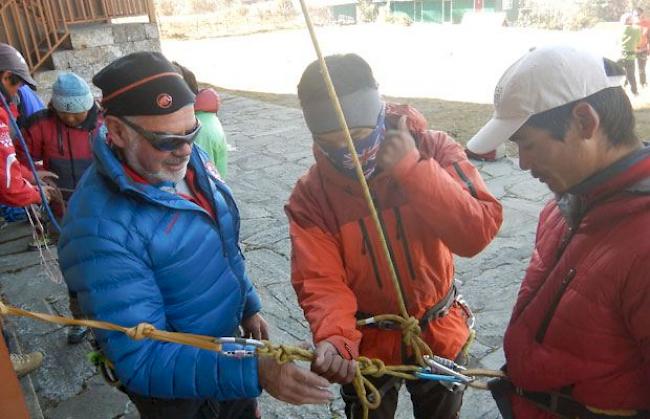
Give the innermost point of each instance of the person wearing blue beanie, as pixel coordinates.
(71, 98)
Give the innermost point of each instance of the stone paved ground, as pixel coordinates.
(272, 149)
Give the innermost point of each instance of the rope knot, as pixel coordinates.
(410, 329)
(284, 354)
(141, 331)
(374, 367)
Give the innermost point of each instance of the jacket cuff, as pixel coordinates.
(253, 304)
(404, 166)
(345, 347)
(238, 374)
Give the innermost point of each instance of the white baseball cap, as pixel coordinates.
(542, 79)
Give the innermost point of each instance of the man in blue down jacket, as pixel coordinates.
(151, 235)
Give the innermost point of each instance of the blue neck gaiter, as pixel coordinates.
(367, 149)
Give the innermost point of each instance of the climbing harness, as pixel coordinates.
(440, 310)
(559, 403)
(436, 312)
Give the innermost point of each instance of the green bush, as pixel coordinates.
(399, 18)
(572, 15)
(367, 11)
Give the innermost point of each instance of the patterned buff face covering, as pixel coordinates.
(367, 149)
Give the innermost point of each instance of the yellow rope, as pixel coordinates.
(280, 353)
(138, 332)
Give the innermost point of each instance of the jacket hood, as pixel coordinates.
(629, 174)
(207, 100)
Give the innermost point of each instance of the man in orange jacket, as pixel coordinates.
(432, 203)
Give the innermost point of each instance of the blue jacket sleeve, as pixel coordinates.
(253, 303)
(115, 284)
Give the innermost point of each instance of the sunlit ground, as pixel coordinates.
(456, 63)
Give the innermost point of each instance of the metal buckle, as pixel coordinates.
(386, 325)
(239, 353)
(446, 366)
(471, 318)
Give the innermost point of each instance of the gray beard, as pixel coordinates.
(151, 177)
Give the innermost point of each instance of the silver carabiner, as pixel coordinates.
(437, 366)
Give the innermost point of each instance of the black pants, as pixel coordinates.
(152, 408)
(430, 400)
(75, 310)
(641, 60)
(630, 75)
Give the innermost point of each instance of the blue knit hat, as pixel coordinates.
(71, 94)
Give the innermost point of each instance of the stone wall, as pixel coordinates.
(93, 47)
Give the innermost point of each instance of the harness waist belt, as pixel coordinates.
(558, 403)
(439, 310)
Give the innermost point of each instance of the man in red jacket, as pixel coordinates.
(61, 135)
(432, 203)
(578, 342)
(15, 189)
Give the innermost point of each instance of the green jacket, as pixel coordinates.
(631, 38)
(212, 140)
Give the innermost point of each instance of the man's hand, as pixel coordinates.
(46, 175)
(397, 144)
(49, 192)
(256, 327)
(292, 384)
(47, 181)
(330, 364)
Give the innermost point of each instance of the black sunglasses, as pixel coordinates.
(165, 141)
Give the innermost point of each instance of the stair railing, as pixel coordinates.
(37, 28)
(34, 27)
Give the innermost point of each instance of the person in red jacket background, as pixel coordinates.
(578, 341)
(15, 187)
(432, 202)
(61, 135)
